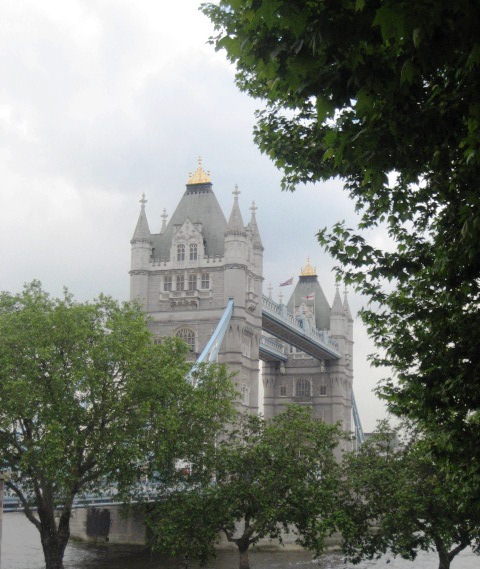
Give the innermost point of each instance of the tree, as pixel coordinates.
(264, 478)
(383, 94)
(83, 392)
(397, 499)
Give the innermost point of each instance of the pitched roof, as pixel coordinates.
(200, 205)
(308, 286)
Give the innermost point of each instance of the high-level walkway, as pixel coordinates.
(278, 322)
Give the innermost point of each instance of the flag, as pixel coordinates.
(309, 297)
(287, 283)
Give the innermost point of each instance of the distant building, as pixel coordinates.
(184, 275)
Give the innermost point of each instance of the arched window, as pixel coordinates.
(205, 280)
(188, 336)
(180, 252)
(302, 388)
(193, 252)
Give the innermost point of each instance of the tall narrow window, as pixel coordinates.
(283, 391)
(323, 390)
(167, 283)
(180, 252)
(180, 282)
(246, 346)
(245, 394)
(205, 280)
(193, 251)
(192, 282)
(302, 388)
(188, 336)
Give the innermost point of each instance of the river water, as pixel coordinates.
(21, 549)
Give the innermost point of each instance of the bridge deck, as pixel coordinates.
(278, 322)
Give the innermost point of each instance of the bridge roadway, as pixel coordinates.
(278, 322)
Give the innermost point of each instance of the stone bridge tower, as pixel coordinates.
(184, 275)
(325, 386)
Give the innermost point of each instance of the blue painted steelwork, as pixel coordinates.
(210, 352)
(359, 435)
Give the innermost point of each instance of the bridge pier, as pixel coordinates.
(108, 524)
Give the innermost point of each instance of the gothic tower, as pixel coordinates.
(184, 275)
(325, 386)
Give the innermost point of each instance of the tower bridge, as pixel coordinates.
(200, 278)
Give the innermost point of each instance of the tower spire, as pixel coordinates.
(346, 306)
(337, 307)
(255, 233)
(235, 223)
(142, 231)
(199, 176)
(164, 217)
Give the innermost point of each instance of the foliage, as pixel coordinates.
(384, 94)
(264, 478)
(399, 500)
(83, 392)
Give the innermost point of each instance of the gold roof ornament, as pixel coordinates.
(199, 176)
(308, 270)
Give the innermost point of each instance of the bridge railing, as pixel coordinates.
(281, 313)
(272, 345)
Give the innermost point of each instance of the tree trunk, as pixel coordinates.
(243, 556)
(443, 556)
(444, 561)
(54, 540)
(53, 548)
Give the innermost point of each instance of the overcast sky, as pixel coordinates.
(102, 100)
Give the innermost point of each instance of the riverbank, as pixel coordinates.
(21, 549)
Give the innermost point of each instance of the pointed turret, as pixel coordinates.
(140, 259)
(236, 254)
(337, 306)
(142, 231)
(338, 320)
(235, 223)
(349, 318)
(346, 307)
(164, 217)
(254, 232)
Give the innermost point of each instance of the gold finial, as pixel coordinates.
(308, 270)
(143, 201)
(199, 176)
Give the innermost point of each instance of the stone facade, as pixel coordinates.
(183, 277)
(324, 386)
